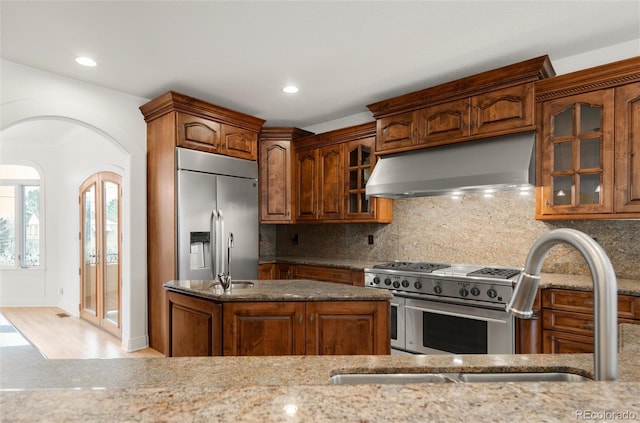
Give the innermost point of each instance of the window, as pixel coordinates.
(20, 227)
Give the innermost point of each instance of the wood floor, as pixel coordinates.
(58, 335)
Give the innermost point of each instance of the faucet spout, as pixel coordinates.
(605, 293)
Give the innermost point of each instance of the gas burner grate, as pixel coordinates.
(497, 273)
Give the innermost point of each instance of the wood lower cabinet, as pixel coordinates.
(264, 328)
(311, 328)
(338, 328)
(567, 319)
(195, 326)
(318, 273)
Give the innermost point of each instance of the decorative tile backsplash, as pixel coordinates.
(472, 229)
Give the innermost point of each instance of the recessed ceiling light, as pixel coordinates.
(86, 61)
(290, 89)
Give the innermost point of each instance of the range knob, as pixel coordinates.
(475, 291)
(437, 289)
(387, 281)
(396, 284)
(417, 285)
(463, 292)
(405, 283)
(492, 293)
(376, 280)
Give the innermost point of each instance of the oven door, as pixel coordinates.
(397, 324)
(435, 327)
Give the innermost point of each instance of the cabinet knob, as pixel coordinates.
(311, 318)
(300, 319)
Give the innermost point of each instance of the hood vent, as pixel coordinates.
(498, 163)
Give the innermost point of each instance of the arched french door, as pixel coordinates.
(100, 251)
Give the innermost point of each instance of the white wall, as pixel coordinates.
(110, 134)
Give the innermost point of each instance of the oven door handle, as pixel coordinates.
(451, 313)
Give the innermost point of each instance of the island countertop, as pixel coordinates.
(280, 290)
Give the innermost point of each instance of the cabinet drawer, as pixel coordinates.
(564, 343)
(327, 274)
(582, 302)
(564, 321)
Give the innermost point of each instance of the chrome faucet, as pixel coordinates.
(605, 294)
(225, 278)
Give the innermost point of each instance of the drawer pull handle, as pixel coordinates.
(589, 303)
(311, 318)
(300, 319)
(588, 326)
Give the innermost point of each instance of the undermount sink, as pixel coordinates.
(401, 378)
(234, 285)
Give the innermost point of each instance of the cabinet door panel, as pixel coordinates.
(195, 326)
(563, 343)
(306, 189)
(198, 133)
(503, 110)
(348, 327)
(240, 143)
(275, 181)
(445, 122)
(628, 148)
(330, 185)
(264, 328)
(396, 132)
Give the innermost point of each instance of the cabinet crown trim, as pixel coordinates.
(172, 101)
(600, 77)
(337, 136)
(518, 73)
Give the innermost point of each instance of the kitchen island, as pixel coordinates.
(298, 389)
(276, 317)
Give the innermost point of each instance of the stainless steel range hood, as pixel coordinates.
(498, 163)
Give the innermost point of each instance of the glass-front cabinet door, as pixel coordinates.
(577, 154)
(359, 165)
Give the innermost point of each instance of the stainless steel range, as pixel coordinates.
(442, 308)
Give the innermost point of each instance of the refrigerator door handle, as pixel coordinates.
(220, 255)
(213, 243)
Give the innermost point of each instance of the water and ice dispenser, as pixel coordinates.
(200, 250)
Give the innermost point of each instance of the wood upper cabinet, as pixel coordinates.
(276, 158)
(577, 154)
(397, 131)
(332, 170)
(238, 142)
(492, 103)
(587, 143)
(198, 133)
(627, 149)
(312, 328)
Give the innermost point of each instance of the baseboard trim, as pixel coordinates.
(139, 343)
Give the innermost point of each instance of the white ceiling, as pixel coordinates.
(342, 55)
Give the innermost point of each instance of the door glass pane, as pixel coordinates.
(562, 191)
(353, 157)
(353, 203)
(112, 251)
(90, 250)
(7, 226)
(366, 173)
(563, 123)
(31, 220)
(589, 119)
(562, 155)
(353, 179)
(454, 334)
(366, 156)
(590, 153)
(365, 203)
(590, 189)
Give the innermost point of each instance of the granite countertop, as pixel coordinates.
(297, 389)
(280, 290)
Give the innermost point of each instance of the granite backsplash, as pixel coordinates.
(472, 229)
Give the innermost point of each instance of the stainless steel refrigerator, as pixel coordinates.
(217, 199)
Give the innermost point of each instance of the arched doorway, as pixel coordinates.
(100, 251)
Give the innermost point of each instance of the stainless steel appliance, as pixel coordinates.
(442, 308)
(217, 202)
